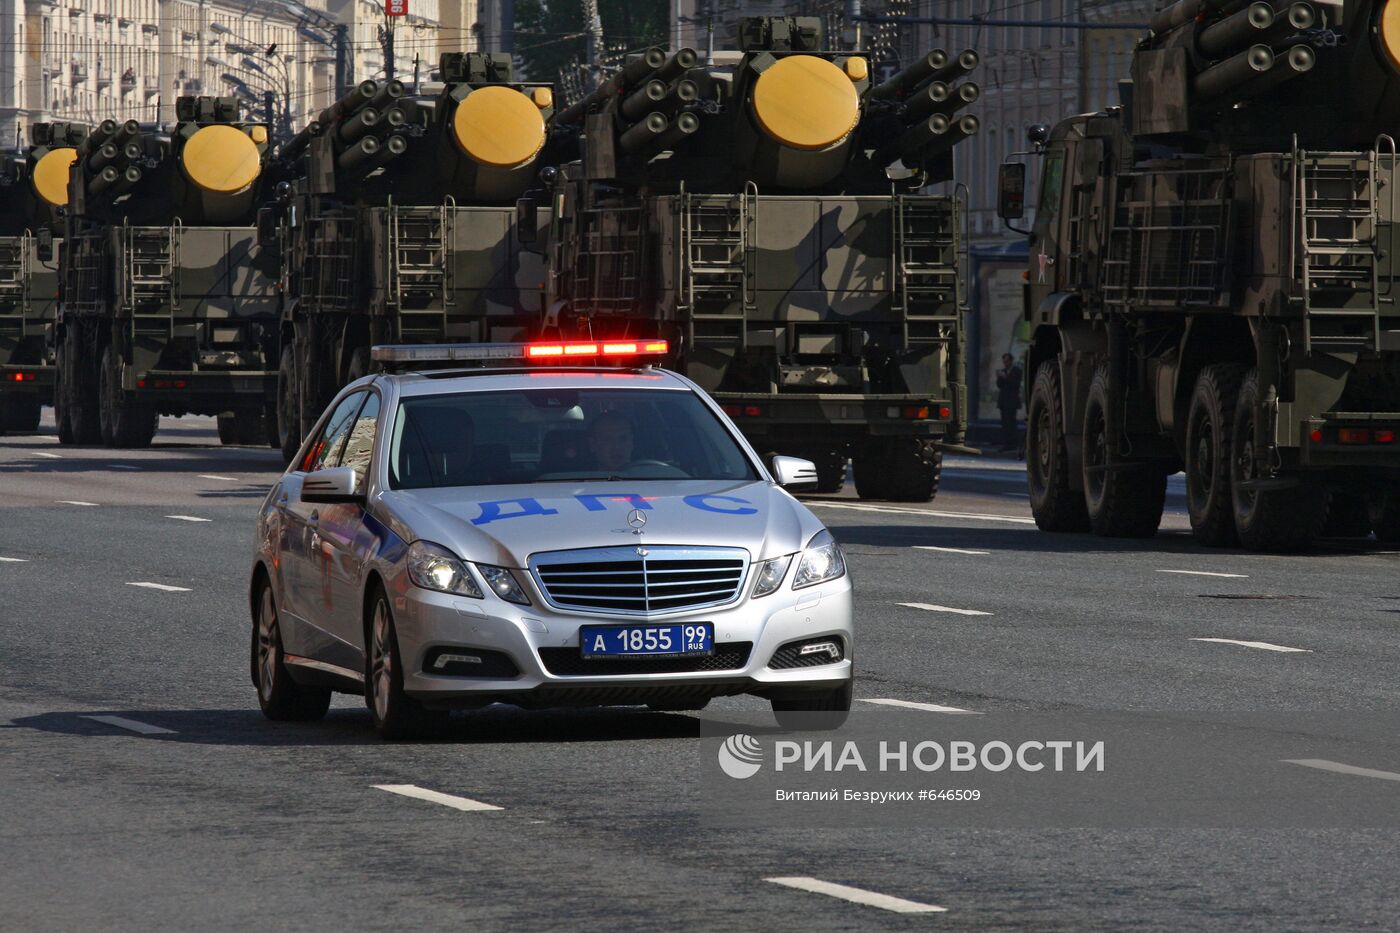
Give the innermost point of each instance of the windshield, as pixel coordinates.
(558, 435)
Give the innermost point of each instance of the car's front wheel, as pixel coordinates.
(818, 710)
(281, 698)
(396, 715)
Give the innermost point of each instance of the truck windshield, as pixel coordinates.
(559, 435)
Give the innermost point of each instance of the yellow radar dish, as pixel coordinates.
(805, 102)
(51, 175)
(1390, 33)
(499, 126)
(221, 159)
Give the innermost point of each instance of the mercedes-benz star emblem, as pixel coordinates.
(636, 518)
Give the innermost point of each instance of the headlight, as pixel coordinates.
(821, 561)
(770, 575)
(434, 567)
(503, 584)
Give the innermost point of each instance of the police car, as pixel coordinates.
(510, 529)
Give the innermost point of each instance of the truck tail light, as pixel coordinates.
(1354, 435)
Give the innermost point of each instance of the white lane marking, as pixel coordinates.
(40, 453)
(947, 550)
(930, 607)
(189, 518)
(1208, 573)
(1322, 764)
(432, 796)
(226, 479)
(975, 516)
(131, 725)
(858, 895)
(14, 560)
(162, 587)
(73, 502)
(926, 707)
(1262, 645)
(124, 466)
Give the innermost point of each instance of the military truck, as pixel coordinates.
(169, 305)
(397, 223)
(33, 193)
(767, 215)
(1211, 282)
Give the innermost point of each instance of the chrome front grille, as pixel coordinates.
(638, 580)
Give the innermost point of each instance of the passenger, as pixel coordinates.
(610, 441)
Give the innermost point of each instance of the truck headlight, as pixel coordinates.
(503, 584)
(770, 575)
(821, 561)
(434, 567)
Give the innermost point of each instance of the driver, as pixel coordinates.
(610, 441)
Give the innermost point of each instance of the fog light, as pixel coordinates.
(821, 647)
(445, 659)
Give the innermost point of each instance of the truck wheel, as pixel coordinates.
(81, 402)
(868, 465)
(1385, 517)
(1348, 515)
(21, 414)
(288, 410)
(1274, 519)
(831, 471)
(1054, 503)
(913, 469)
(124, 423)
(1123, 503)
(1208, 439)
(251, 429)
(228, 429)
(60, 409)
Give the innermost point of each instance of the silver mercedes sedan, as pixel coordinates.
(451, 538)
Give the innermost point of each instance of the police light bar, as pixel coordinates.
(494, 352)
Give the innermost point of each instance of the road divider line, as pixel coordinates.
(226, 479)
(161, 586)
(74, 502)
(131, 725)
(926, 707)
(857, 895)
(14, 560)
(1208, 573)
(189, 518)
(123, 466)
(948, 550)
(40, 453)
(1261, 645)
(930, 607)
(432, 796)
(1336, 767)
(973, 516)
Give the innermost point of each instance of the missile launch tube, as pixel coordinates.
(644, 100)
(1236, 31)
(1181, 13)
(681, 61)
(1298, 60)
(644, 132)
(301, 140)
(129, 179)
(363, 93)
(919, 71)
(388, 93)
(922, 134)
(966, 61)
(938, 97)
(358, 154)
(97, 137)
(1221, 80)
(357, 125)
(131, 151)
(125, 133)
(103, 180)
(636, 70)
(102, 158)
(682, 128)
(390, 121)
(392, 148)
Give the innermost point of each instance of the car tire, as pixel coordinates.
(831, 471)
(1055, 505)
(395, 714)
(281, 698)
(288, 404)
(821, 711)
(1209, 435)
(868, 466)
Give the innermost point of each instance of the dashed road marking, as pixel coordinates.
(926, 707)
(165, 588)
(131, 725)
(948, 550)
(432, 796)
(858, 895)
(189, 518)
(226, 479)
(1322, 764)
(74, 502)
(1208, 573)
(1261, 645)
(14, 560)
(40, 453)
(930, 607)
(975, 516)
(123, 466)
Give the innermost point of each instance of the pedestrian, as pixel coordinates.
(1009, 401)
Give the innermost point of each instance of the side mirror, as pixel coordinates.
(336, 484)
(795, 473)
(1011, 191)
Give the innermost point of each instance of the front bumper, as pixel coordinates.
(542, 645)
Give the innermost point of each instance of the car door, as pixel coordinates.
(301, 536)
(345, 544)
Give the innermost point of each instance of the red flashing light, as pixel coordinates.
(1354, 435)
(543, 351)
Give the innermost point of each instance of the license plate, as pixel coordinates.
(653, 641)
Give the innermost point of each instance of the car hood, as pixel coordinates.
(504, 525)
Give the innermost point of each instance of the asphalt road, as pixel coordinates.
(124, 582)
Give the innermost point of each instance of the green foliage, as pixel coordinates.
(549, 34)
